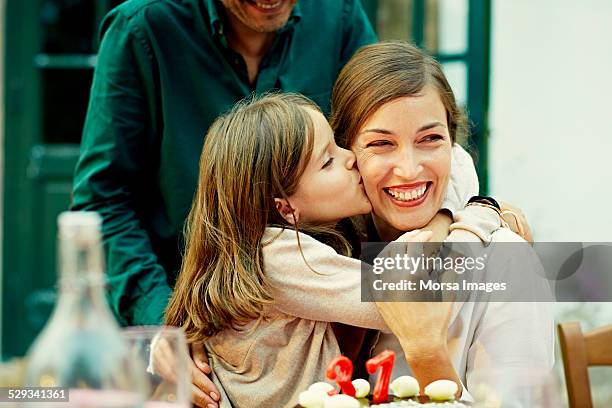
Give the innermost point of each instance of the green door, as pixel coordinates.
(49, 55)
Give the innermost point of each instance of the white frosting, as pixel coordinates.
(317, 395)
(405, 386)
(442, 390)
(322, 387)
(362, 388)
(312, 399)
(341, 401)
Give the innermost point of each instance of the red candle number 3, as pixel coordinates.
(342, 375)
(385, 361)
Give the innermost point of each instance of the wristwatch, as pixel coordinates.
(484, 200)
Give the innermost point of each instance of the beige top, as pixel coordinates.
(270, 365)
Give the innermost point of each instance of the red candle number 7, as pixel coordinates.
(342, 375)
(385, 361)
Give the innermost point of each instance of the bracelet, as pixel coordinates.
(485, 200)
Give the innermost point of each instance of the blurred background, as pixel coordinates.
(534, 76)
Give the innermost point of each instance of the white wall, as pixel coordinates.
(551, 132)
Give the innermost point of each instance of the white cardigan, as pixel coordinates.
(504, 349)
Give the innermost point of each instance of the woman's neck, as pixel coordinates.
(385, 231)
(439, 225)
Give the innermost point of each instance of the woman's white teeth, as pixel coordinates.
(408, 195)
(268, 5)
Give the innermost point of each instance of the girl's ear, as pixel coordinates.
(284, 209)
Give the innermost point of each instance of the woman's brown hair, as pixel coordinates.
(252, 154)
(380, 73)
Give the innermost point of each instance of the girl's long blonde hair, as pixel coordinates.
(252, 154)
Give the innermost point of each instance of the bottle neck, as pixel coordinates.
(81, 278)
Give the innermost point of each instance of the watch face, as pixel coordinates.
(484, 200)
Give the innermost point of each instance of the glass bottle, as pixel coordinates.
(81, 347)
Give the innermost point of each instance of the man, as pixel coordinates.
(166, 69)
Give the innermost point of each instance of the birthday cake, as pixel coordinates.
(404, 391)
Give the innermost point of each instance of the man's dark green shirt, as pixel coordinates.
(164, 73)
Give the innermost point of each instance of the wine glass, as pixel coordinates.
(163, 351)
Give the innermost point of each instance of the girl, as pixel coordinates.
(253, 286)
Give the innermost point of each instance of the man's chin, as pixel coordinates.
(261, 23)
(268, 27)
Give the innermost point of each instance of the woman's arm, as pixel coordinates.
(427, 353)
(462, 186)
(422, 331)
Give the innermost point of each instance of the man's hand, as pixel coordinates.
(204, 392)
(516, 220)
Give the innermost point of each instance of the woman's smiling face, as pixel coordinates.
(403, 153)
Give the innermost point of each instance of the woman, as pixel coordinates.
(393, 106)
